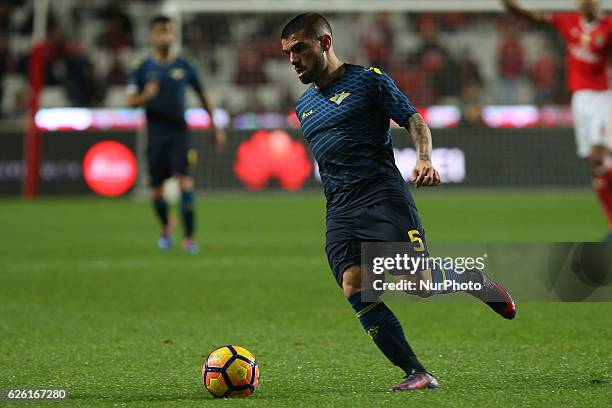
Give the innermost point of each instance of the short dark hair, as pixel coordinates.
(313, 24)
(159, 20)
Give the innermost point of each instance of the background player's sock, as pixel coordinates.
(603, 189)
(161, 209)
(187, 212)
(441, 275)
(386, 331)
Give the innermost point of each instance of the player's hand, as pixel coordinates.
(150, 90)
(219, 139)
(424, 175)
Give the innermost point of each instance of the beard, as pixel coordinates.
(312, 74)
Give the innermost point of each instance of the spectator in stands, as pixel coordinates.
(6, 8)
(471, 106)
(453, 20)
(435, 61)
(55, 70)
(511, 60)
(543, 75)
(82, 86)
(250, 70)
(543, 78)
(378, 40)
(208, 31)
(118, 31)
(4, 63)
(413, 81)
(467, 71)
(116, 73)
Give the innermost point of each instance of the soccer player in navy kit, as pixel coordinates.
(159, 83)
(345, 118)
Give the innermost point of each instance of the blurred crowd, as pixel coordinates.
(466, 59)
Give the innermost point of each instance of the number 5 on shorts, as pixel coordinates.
(414, 237)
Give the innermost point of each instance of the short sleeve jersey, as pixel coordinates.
(346, 125)
(588, 48)
(167, 109)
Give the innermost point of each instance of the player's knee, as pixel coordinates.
(186, 183)
(351, 280)
(157, 192)
(598, 155)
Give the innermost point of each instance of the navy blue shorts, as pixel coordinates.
(389, 221)
(167, 157)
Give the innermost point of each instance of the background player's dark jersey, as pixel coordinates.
(347, 127)
(166, 111)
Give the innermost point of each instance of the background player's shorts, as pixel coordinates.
(387, 221)
(592, 111)
(167, 157)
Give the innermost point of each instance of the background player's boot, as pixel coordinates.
(493, 294)
(164, 242)
(416, 381)
(190, 247)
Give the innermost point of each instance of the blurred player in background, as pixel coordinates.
(345, 118)
(588, 37)
(159, 83)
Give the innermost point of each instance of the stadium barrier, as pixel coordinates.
(278, 159)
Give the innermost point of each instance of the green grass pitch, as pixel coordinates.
(88, 304)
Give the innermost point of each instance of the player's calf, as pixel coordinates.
(187, 206)
(602, 181)
(160, 205)
(380, 323)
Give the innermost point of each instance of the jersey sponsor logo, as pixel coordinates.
(307, 114)
(583, 54)
(177, 73)
(338, 98)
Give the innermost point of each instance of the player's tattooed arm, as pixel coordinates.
(421, 136)
(534, 15)
(423, 174)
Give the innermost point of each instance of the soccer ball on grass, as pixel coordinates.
(230, 371)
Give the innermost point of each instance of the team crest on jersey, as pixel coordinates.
(338, 98)
(585, 38)
(177, 73)
(599, 40)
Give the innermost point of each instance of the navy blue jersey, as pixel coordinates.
(166, 111)
(346, 125)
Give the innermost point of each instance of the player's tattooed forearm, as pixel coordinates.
(421, 136)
